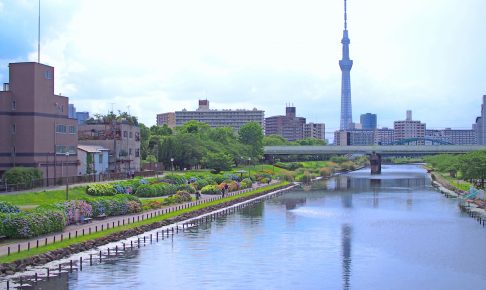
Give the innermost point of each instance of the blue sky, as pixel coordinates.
(151, 57)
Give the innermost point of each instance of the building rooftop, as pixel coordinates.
(92, 148)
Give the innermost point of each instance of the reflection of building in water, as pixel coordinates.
(375, 185)
(346, 232)
(356, 184)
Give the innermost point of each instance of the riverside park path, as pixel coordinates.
(97, 225)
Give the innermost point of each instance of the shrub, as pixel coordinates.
(211, 189)
(186, 187)
(28, 225)
(119, 204)
(180, 196)
(6, 207)
(325, 172)
(348, 165)
(288, 176)
(154, 204)
(246, 183)
(75, 209)
(176, 178)
(100, 189)
(289, 166)
(22, 175)
(304, 178)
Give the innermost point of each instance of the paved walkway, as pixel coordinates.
(73, 231)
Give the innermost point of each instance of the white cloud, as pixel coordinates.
(158, 56)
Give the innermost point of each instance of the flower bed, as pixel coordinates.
(32, 224)
(119, 204)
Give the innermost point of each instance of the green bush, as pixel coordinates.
(21, 175)
(288, 166)
(158, 189)
(211, 189)
(7, 207)
(179, 197)
(119, 204)
(176, 178)
(246, 183)
(32, 224)
(100, 189)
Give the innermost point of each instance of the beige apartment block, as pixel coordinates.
(35, 130)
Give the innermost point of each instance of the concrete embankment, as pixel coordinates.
(470, 208)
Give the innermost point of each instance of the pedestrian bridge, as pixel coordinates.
(398, 150)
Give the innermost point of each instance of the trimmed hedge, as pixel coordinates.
(176, 178)
(101, 189)
(32, 224)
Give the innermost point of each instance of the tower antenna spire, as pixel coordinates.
(38, 33)
(345, 16)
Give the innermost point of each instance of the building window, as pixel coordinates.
(100, 158)
(14, 105)
(72, 130)
(60, 128)
(130, 151)
(60, 149)
(72, 150)
(48, 75)
(125, 134)
(131, 135)
(14, 128)
(137, 152)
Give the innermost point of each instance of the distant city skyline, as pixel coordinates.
(426, 56)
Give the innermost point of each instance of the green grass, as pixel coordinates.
(67, 243)
(30, 199)
(314, 164)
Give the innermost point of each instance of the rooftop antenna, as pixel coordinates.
(128, 108)
(112, 106)
(38, 35)
(345, 16)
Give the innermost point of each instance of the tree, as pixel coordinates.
(275, 140)
(218, 161)
(310, 142)
(161, 130)
(252, 134)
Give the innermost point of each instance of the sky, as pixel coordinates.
(150, 57)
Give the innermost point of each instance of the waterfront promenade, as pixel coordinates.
(97, 225)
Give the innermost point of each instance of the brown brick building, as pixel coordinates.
(35, 130)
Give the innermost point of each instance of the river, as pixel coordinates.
(354, 231)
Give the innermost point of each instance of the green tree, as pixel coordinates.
(252, 134)
(275, 140)
(310, 142)
(218, 161)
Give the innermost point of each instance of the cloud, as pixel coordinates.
(159, 56)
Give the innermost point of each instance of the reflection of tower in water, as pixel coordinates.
(375, 185)
(346, 232)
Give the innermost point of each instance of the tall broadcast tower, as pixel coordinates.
(345, 63)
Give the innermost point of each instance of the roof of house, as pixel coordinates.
(92, 148)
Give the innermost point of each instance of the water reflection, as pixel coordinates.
(358, 232)
(346, 232)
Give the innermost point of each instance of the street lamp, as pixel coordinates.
(67, 178)
(249, 168)
(172, 163)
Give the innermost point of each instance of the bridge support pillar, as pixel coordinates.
(375, 163)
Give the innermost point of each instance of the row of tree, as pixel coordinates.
(470, 166)
(195, 145)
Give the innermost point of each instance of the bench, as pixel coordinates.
(86, 220)
(101, 216)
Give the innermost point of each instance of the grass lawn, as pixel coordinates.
(32, 199)
(67, 243)
(314, 164)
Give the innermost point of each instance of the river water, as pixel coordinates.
(355, 231)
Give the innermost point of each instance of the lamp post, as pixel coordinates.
(67, 178)
(249, 168)
(172, 163)
(263, 161)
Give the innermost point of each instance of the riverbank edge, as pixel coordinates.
(443, 185)
(41, 259)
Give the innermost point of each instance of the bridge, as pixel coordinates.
(397, 150)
